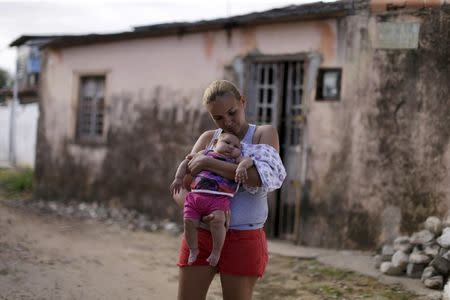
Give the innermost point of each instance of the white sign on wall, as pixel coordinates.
(391, 35)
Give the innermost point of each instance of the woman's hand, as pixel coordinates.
(197, 163)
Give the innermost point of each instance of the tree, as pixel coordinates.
(5, 82)
(5, 79)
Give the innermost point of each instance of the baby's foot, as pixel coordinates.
(192, 256)
(213, 259)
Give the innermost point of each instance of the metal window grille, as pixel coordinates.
(266, 85)
(273, 83)
(91, 108)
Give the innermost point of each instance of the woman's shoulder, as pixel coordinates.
(266, 134)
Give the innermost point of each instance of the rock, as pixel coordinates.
(172, 227)
(428, 272)
(82, 206)
(446, 222)
(441, 265)
(444, 239)
(419, 257)
(378, 259)
(415, 270)
(403, 243)
(53, 206)
(435, 282)
(446, 293)
(446, 255)
(388, 269)
(422, 237)
(434, 225)
(387, 252)
(432, 249)
(400, 260)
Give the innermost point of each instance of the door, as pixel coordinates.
(275, 92)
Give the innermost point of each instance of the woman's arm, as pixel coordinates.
(222, 168)
(264, 134)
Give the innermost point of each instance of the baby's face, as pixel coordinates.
(228, 145)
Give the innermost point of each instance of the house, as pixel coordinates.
(359, 91)
(19, 112)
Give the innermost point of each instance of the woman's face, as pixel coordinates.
(228, 113)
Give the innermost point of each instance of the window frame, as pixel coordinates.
(319, 84)
(99, 139)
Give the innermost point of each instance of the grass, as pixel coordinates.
(16, 182)
(291, 279)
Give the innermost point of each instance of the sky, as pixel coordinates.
(35, 17)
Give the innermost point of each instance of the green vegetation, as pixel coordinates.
(290, 278)
(16, 182)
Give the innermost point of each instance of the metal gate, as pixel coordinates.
(276, 90)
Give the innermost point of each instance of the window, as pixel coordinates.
(266, 86)
(91, 108)
(329, 84)
(276, 97)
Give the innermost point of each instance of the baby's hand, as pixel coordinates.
(241, 175)
(176, 185)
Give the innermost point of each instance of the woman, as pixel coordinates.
(244, 254)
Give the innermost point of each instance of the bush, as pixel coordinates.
(16, 181)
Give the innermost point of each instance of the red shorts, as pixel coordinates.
(244, 252)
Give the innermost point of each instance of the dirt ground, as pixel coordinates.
(47, 257)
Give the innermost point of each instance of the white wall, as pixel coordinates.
(26, 117)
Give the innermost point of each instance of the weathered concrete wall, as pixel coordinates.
(153, 108)
(26, 116)
(389, 170)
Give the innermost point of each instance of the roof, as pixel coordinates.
(38, 39)
(285, 14)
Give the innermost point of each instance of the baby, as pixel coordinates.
(211, 193)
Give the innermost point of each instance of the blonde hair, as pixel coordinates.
(219, 88)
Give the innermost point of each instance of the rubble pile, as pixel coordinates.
(424, 254)
(125, 218)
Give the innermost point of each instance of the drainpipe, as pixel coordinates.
(12, 123)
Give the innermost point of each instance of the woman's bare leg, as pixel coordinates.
(194, 282)
(190, 234)
(236, 287)
(218, 232)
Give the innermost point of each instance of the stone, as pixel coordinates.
(435, 282)
(422, 237)
(419, 257)
(415, 270)
(446, 293)
(403, 243)
(446, 255)
(441, 265)
(388, 269)
(428, 272)
(434, 225)
(432, 249)
(378, 259)
(446, 222)
(387, 251)
(400, 260)
(444, 239)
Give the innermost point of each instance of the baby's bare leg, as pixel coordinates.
(190, 234)
(218, 232)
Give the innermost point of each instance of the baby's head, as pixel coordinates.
(229, 145)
